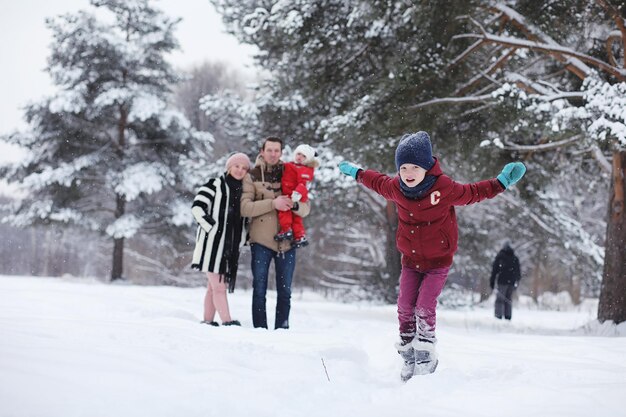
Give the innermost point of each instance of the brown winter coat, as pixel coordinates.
(260, 187)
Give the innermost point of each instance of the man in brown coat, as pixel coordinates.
(260, 200)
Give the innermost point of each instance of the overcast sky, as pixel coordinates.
(25, 40)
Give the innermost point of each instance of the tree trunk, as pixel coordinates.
(394, 266)
(612, 304)
(117, 270)
(118, 259)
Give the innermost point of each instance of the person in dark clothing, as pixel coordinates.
(505, 276)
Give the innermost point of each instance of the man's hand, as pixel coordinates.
(282, 203)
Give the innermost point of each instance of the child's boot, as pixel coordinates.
(407, 353)
(286, 235)
(426, 360)
(301, 242)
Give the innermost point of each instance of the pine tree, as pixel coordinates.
(104, 150)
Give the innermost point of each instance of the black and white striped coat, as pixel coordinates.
(210, 209)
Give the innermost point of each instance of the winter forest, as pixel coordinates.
(97, 210)
(115, 156)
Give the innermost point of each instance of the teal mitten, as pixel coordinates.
(511, 173)
(349, 168)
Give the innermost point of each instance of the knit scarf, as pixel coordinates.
(420, 189)
(230, 257)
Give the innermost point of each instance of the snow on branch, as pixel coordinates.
(553, 49)
(544, 146)
(533, 33)
(606, 104)
(143, 177)
(529, 85)
(124, 227)
(543, 93)
(453, 100)
(575, 62)
(63, 174)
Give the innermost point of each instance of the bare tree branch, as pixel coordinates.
(533, 33)
(621, 24)
(377, 204)
(519, 204)
(355, 56)
(601, 159)
(613, 38)
(491, 69)
(464, 54)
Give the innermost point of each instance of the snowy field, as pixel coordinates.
(71, 347)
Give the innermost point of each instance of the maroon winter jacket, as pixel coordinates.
(427, 229)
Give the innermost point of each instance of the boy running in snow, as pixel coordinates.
(427, 237)
(296, 175)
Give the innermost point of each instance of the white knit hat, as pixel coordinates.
(307, 151)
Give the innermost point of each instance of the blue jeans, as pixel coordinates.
(285, 264)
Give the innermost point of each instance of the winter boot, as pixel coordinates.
(301, 242)
(288, 235)
(426, 360)
(408, 355)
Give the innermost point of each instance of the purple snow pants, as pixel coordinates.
(417, 302)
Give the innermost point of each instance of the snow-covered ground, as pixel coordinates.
(71, 347)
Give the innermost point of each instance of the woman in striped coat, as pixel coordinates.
(221, 233)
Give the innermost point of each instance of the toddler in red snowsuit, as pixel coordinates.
(295, 177)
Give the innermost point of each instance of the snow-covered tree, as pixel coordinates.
(342, 72)
(203, 79)
(104, 150)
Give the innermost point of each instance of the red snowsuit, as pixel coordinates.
(295, 178)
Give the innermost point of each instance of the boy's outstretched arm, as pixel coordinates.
(375, 181)
(464, 194)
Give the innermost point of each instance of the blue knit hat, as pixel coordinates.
(415, 148)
